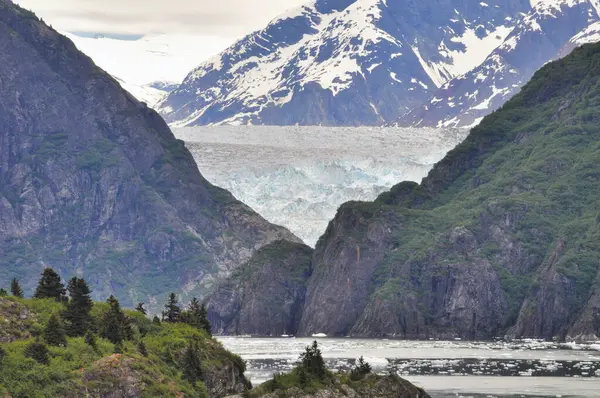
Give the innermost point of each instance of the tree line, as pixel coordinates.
(75, 320)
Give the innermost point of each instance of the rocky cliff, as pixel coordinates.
(265, 296)
(92, 182)
(501, 238)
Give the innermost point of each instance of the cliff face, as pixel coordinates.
(93, 182)
(265, 296)
(500, 238)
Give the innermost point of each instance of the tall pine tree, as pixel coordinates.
(173, 311)
(50, 286)
(114, 323)
(77, 313)
(140, 308)
(191, 364)
(54, 332)
(15, 288)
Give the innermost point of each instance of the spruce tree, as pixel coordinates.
(54, 332)
(173, 311)
(3, 355)
(90, 339)
(156, 320)
(77, 314)
(204, 322)
(3, 292)
(15, 288)
(38, 351)
(114, 322)
(191, 364)
(142, 348)
(312, 362)
(50, 286)
(140, 308)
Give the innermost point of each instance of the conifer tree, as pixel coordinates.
(196, 315)
(312, 361)
(50, 286)
(204, 322)
(54, 332)
(191, 364)
(90, 339)
(3, 292)
(142, 348)
(77, 314)
(15, 288)
(3, 354)
(114, 323)
(38, 351)
(173, 311)
(140, 308)
(156, 320)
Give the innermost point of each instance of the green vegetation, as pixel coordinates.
(310, 376)
(15, 288)
(121, 349)
(525, 182)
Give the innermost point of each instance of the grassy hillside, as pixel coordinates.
(78, 368)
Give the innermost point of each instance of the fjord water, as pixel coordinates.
(444, 368)
(299, 176)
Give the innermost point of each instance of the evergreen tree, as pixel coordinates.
(173, 311)
(90, 339)
(38, 351)
(114, 323)
(197, 316)
(3, 355)
(156, 320)
(15, 288)
(142, 348)
(77, 314)
(54, 332)
(191, 364)
(312, 362)
(140, 308)
(204, 322)
(3, 293)
(361, 369)
(50, 286)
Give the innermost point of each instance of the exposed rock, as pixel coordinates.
(15, 321)
(265, 296)
(93, 183)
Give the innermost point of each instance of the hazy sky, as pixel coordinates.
(224, 18)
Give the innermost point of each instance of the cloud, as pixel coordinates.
(225, 18)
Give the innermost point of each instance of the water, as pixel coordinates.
(299, 176)
(444, 368)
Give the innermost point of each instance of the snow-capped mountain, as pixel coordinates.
(551, 29)
(350, 62)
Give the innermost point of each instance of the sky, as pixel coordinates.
(218, 18)
(155, 40)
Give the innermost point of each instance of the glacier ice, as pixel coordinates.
(299, 176)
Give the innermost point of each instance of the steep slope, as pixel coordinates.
(264, 296)
(540, 36)
(93, 182)
(501, 237)
(342, 62)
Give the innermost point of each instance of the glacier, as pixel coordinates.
(299, 176)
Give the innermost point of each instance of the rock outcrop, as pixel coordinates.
(265, 296)
(93, 182)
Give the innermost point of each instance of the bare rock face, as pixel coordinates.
(93, 182)
(265, 296)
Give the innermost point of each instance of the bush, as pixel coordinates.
(38, 352)
(361, 369)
